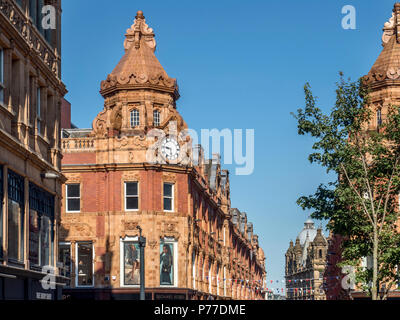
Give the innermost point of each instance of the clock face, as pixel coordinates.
(170, 149)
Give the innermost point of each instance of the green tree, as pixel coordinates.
(362, 204)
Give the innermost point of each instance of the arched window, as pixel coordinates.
(320, 253)
(135, 118)
(379, 117)
(156, 118)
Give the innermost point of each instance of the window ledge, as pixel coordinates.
(42, 138)
(10, 113)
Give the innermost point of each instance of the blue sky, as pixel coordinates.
(239, 65)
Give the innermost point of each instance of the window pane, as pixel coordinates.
(132, 203)
(74, 205)
(85, 264)
(45, 241)
(166, 264)
(131, 189)
(131, 263)
(167, 190)
(64, 256)
(73, 190)
(168, 204)
(34, 237)
(15, 234)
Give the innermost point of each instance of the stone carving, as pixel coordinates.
(130, 225)
(100, 124)
(122, 141)
(73, 177)
(30, 34)
(140, 141)
(131, 176)
(169, 230)
(169, 177)
(153, 244)
(137, 79)
(139, 30)
(116, 118)
(388, 30)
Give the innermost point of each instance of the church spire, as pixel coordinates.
(139, 68)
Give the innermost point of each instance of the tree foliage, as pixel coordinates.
(362, 204)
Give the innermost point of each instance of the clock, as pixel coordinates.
(170, 149)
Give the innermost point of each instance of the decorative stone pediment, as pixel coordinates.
(131, 176)
(129, 228)
(170, 230)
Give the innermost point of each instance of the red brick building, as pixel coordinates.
(136, 167)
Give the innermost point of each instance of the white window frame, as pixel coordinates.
(135, 118)
(172, 197)
(122, 261)
(67, 198)
(126, 196)
(70, 253)
(77, 263)
(2, 86)
(174, 243)
(156, 118)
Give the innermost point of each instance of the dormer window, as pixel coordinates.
(135, 118)
(156, 118)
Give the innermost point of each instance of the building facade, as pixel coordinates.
(31, 92)
(135, 168)
(306, 264)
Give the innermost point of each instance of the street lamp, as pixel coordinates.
(142, 245)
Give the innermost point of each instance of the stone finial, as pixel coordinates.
(139, 31)
(392, 27)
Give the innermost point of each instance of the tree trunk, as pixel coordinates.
(375, 266)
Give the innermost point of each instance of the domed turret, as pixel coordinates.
(308, 230)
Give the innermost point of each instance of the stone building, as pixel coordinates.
(305, 265)
(31, 92)
(137, 167)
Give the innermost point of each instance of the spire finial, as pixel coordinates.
(139, 31)
(139, 15)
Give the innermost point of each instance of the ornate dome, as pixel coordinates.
(309, 229)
